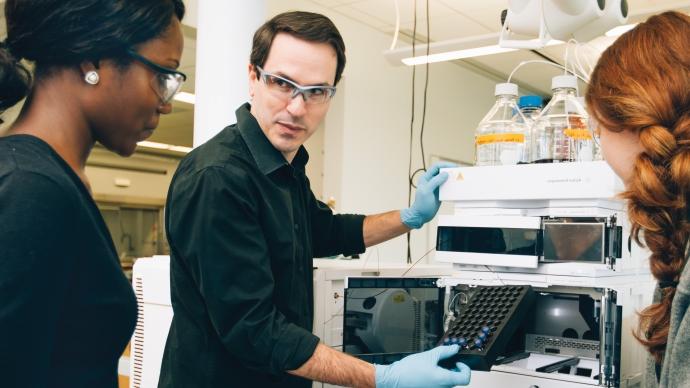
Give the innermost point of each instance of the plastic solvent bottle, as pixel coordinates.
(500, 136)
(561, 133)
(530, 106)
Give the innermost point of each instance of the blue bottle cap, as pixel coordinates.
(478, 343)
(453, 341)
(530, 101)
(446, 341)
(482, 336)
(462, 341)
(486, 329)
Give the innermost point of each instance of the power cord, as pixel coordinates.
(411, 176)
(426, 85)
(409, 166)
(418, 260)
(495, 275)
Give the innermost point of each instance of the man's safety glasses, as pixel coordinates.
(167, 82)
(287, 89)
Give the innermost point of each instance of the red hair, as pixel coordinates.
(642, 84)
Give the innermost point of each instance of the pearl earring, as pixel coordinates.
(92, 77)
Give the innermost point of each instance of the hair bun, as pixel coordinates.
(14, 78)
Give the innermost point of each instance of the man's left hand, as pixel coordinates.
(426, 201)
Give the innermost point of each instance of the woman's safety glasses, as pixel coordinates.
(287, 89)
(167, 82)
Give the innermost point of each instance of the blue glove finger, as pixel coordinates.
(442, 352)
(437, 181)
(462, 374)
(448, 378)
(435, 168)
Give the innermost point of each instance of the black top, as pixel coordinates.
(243, 227)
(66, 309)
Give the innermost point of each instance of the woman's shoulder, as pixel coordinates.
(30, 163)
(30, 173)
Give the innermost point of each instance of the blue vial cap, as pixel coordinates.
(446, 341)
(462, 341)
(478, 343)
(486, 329)
(453, 341)
(530, 101)
(482, 336)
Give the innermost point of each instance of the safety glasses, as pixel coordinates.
(167, 82)
(284, 88)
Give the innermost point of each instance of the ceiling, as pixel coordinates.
(449, 19)
(455, 19)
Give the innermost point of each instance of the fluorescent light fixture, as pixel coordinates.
(189, 98)
(153, 144)
(440, 51)
(458, 54)
(163, 146)
(180, 149)
(448, 50)
(620, 30)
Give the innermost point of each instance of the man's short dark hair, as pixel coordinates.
(308, 26)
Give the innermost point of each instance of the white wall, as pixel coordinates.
(142, 179)
(366, 145)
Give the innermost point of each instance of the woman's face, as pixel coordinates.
(620, 149)
(126, 108)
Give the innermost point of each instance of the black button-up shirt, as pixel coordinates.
(243, 227)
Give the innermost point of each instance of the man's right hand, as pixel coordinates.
(421, 370)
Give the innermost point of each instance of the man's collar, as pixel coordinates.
(267, 157)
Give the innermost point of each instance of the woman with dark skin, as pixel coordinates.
(104, 71)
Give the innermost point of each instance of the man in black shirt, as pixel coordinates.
(244, 226)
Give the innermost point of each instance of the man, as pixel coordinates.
(243, 227)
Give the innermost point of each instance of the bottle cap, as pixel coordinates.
(530, 101)
(564, 81)
(506, 88)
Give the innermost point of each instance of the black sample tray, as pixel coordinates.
(488, 318)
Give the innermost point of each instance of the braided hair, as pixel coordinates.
(642, 84)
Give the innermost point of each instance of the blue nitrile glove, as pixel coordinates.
(421, 370)
(426, 201)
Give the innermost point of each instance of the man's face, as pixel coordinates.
(288, 122)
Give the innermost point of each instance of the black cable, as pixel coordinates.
(496, 276)
(418, 260)
(409, 166)
(414, 174)
(372, 296)
(426, 84)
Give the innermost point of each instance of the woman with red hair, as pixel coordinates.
(640, 96)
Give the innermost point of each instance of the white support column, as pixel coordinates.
(224, 40)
